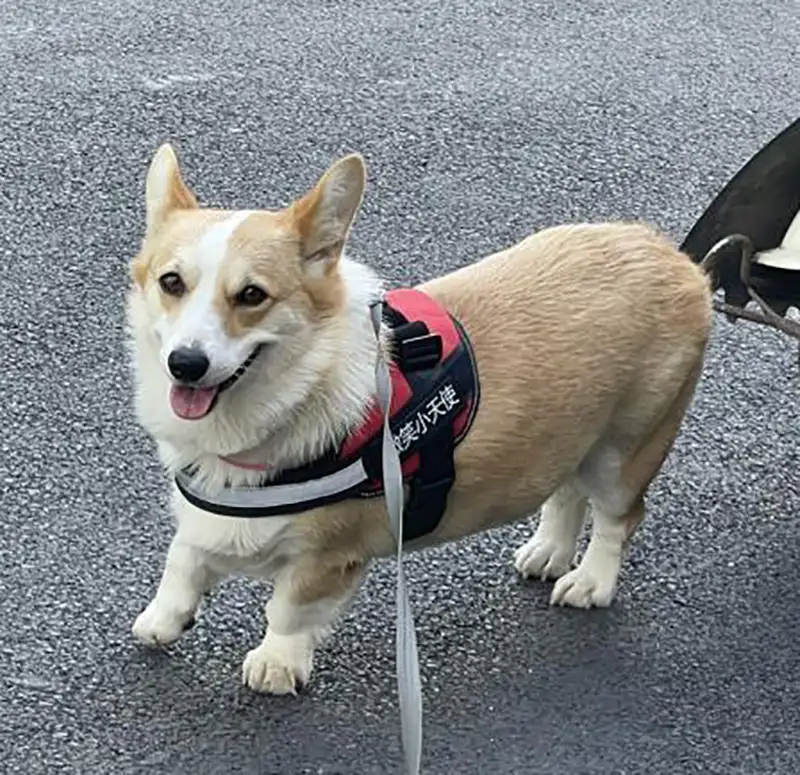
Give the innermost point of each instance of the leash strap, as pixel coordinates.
(409, 688)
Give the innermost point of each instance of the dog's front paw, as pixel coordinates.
(543, 558)
(590, 584)
(156, 626)
(280, 665)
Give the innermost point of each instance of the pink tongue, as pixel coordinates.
(191, 403)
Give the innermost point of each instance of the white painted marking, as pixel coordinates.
(171, 81)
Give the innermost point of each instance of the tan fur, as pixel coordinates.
(589, 339)
(178, 229)
(319, 218)
(265, 251)
(166, 195)
(633, 314)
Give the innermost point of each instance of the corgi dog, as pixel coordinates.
(579, 350)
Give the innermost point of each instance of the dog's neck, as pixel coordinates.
(277, 418)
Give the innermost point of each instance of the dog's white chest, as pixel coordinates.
(250, 546)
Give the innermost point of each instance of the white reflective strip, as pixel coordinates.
(280, 494)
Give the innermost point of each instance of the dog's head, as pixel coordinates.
(220, 291)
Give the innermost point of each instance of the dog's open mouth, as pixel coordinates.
(194, 403)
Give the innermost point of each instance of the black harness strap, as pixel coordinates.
(418, 356)
(431, 486)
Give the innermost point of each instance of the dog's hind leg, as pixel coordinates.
(616, 485)
(549, 554)
(594, 581)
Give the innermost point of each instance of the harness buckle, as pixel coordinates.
(419, 352)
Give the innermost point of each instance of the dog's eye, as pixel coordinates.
(172, 284)
(251, 296)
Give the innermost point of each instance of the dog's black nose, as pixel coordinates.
(188, 364)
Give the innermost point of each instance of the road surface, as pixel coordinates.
(480, 122)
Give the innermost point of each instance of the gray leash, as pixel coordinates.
(409, 688)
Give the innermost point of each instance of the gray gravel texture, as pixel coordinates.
(480, 122)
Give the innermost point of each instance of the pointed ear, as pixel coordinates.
(324, 215)
(165, 190)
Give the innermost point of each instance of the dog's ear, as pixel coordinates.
(324, 215)
(165, 190)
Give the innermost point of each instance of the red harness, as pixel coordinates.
(415, 308)
(435, 396)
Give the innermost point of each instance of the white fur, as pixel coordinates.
(279, 663)
(256, 419)
(187, 575)
(551, 550)
(284, 659)
(594, 581)
(599, 477)
(259, 414)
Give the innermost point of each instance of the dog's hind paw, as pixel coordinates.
(280, 665)
(543, 558)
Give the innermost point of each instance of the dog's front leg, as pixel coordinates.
(186, 578)
(305, 604)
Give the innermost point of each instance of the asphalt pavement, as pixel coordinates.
(480, 122)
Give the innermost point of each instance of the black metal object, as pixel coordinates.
(759, 203)
(734, 251)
